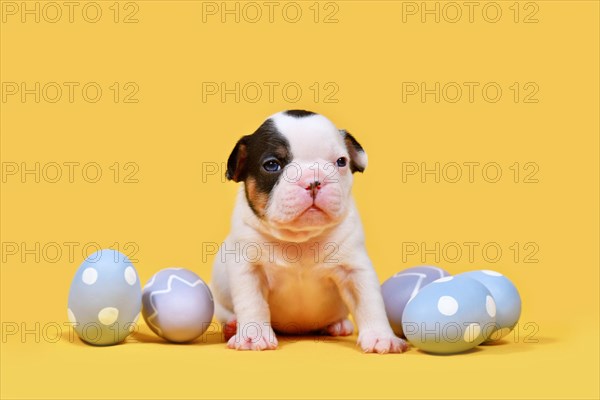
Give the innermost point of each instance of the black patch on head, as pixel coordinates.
(299, 113)
(247, 158)
(353, 149)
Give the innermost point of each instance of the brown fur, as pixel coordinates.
(257, 199)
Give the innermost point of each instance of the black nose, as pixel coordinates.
(314, 188)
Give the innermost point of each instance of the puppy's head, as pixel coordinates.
(297, 170)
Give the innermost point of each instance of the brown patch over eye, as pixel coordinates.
(247, 163)
(256, 199)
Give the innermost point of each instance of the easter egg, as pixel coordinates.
(105, 298)
(450, 315)
(177, 305)
(506, 296)
(402, 287)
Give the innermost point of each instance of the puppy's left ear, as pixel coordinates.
(358, 156)
(236, 164)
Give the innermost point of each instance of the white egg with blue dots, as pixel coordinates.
(450, 315)
(105, 298)
(506, 296)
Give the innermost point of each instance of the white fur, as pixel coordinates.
(296, 270)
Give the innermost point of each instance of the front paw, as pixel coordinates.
(253, 337)
(376, 341)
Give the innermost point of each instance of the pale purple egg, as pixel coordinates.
(177, 305)
(402, 287)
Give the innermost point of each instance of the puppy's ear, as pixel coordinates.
(358, 157)
(236, 164)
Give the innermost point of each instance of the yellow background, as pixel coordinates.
(170, 212)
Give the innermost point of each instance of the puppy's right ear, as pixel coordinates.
(236, 164)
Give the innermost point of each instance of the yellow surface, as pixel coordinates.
(171, 135)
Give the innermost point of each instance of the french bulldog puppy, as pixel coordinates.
(295, 260)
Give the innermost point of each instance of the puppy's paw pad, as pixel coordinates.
(342, 327)
(229, 329)
(375, 342)
(263, 340)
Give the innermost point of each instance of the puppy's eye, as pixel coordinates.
(272, 166)
(341, 162)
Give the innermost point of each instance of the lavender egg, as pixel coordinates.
(177, 305)
(403, 286)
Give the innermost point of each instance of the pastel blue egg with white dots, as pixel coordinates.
(450, 315)
(506, 296)
(403, 286)
(105, 298)
(177, 305)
